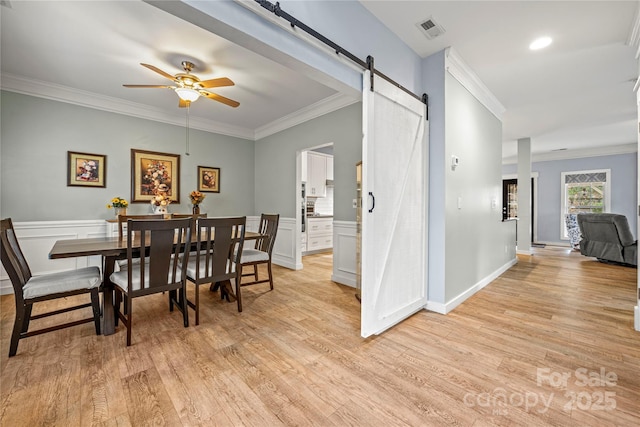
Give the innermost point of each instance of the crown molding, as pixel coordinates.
(577, 154)
(459, 69)
(633, 39)
(46, 90)
(322, 107)
(87, 99)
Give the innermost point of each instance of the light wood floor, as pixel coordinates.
(294, 357)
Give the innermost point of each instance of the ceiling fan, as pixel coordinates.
(189, 87)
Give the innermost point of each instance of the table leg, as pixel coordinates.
(226, 290)
(109, 325)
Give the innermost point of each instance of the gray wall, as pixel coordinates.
(465, 245)
(275, 162)
(624, 179)
(475, 235)
(37, 133)
(434, 72)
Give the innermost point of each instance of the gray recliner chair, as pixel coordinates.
(607, 237)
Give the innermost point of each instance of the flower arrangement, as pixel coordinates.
(118, 202)
(156, 178)
(196, 197)
(160, 200)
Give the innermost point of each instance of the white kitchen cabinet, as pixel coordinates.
(319, 234)
(304, 166)
(316, 175)
(330, 168)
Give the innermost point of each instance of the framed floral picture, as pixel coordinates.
(208, 179)
(86, 170)
(153, 174)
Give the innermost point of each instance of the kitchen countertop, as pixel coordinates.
(319, 216)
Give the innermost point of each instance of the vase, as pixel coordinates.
(160, 209)
(196, 209)
(120, 211)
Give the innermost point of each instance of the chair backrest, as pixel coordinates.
(606, 227)
(194, 218)
(219, 245)
(268, 228)
(13, 259)
(188, 215)
(168, 244)
(122, 219)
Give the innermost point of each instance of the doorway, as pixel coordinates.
(316, 203)
(510, 201)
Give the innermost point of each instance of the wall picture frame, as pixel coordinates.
(154, 173)
(208, 179)
(86, 170)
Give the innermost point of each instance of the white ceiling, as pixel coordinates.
(578, 93)
(98, 46)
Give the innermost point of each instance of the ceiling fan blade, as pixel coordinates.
(222, 81)
(216, 97)
(183, 104)
(159, 71)
(151, 86)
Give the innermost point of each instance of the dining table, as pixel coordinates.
(112, 249)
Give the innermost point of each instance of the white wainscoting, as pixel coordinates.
(344, 252)
(284, 250)
(37, 238)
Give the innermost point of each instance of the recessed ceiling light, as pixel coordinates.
(540, 43)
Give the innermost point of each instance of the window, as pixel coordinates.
(585, 191)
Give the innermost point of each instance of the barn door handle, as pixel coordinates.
(373, 201)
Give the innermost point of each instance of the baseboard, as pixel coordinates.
(5, 287)
(344, 279)
(285, 262)
(444, 308)
(527, 253)
(557, 244)
(436, 307)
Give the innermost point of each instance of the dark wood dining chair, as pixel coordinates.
(219, 248)
(194, 217)
(168, 243)
(28, 289)
(122, 221)
(261, 252)
(188, 215)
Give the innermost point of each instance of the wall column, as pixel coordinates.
(524, 196)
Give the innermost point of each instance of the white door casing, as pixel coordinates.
(395, 194)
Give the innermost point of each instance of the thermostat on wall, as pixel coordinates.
(455, 161)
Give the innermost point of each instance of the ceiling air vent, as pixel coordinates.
(430, 28)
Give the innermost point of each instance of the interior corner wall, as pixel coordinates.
(475, 235)
(36, 134)
(275, 162)
(433, 82)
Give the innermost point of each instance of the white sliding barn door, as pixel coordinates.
(394, 211)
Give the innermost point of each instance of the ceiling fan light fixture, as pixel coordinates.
(540, 43)
(187, 94)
